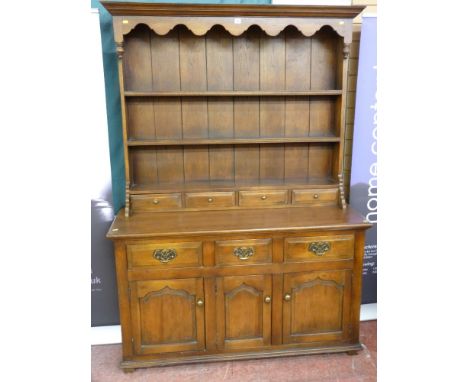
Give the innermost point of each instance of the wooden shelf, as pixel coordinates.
(232, 185)
(234, 93)
(229, 141)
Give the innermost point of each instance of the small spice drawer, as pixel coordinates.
(165, 255)
(241, 252)
(315, 196)
(318, 248)
(156, 202)
(209, 199)
(263, 198)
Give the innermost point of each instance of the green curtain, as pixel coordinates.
(111, 78)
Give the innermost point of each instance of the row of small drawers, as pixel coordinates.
(240, 252)
(263, 198)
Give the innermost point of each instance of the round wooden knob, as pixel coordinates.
(287, 297)
(156, 201)
(210, 200)
(200, 302)
(267, 299)
(263, 197)
(316, 196)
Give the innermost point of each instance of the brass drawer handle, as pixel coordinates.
(263, 197)
(267, 299)
(210, 200)
(287, 297)
(319, 247)
(165, 255)
(200, 302)
(243, 253)
(316, 196)
(156, 201)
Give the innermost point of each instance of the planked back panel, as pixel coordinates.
(217, 61)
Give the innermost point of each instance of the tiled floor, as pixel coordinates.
(327, 367)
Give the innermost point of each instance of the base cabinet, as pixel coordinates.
(197, 299)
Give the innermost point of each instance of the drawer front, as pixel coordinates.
(318, 248)
(165, 255)
(243, 252)
(263, 198)
(210, 199)
(155, 202)
(315, 196)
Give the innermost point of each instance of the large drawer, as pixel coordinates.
(242, 252)
(263, 198)
(318, 248)
(156, 202)
(165, 255)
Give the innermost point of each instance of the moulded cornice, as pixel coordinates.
(166, 9)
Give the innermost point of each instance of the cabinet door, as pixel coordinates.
(167, 315)
(316, 306)
(243, 306)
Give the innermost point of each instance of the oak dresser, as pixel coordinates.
(236, 240)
